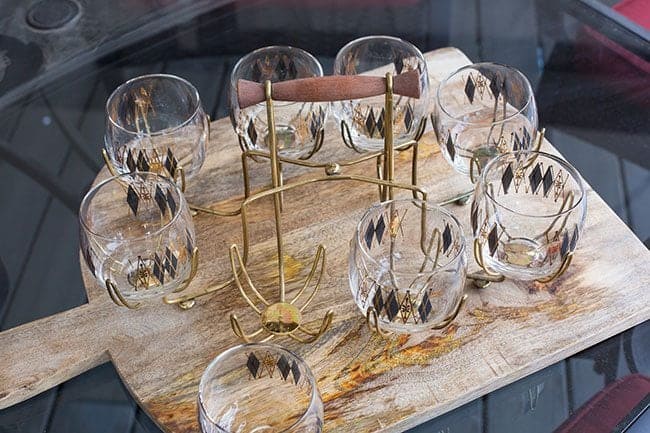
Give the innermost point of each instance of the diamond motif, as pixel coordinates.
(535, 178)
(132, 199)
(143, 163)
(380, 124)
(425, 308)
(370, 232)
(171, 163)
(130, 162)
(516, 143)
(252, 133)
(564, 249)
(158, 269)
(253, 364)
(493, 240)
(495, 88)
(392, 306)
(283, 366)
(380, 228)
(506, 178)
(408, 117)
(406, 309)
(188, 242)
(161, 200)
(450, 147)
(370, 123)
(295, 370)
(470, 88)
(525, 141)
(574, 238)
(378, 300)
(548, 180)
(171, 202)
(446, 238)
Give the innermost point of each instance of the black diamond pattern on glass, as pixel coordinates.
(370, 233)
(380, 123)
(252, 133)
(161, 200)
(130, 162)
(408, 117)
(171, 163)
(253, 364)
(535, 178)
(425, 308)
(564, 249)
(574, 238)
(370, 123)
(446, 238)
(450, 147)
(143, 162)
(525, 141)
(188, 242)
(495, 86)
(314, 126)
(470, 88)
(506, 178)
(493, 240)
(378, 300)
(548, 180)
(132, 199)
(380, 227)
(158, 269)
(516, 142)
(399, 64)
(283, 366)
(295, 370)
(392, 306)
(171, 202)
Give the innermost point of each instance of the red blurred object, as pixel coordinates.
(609, 407)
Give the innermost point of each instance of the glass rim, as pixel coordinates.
(565, 164)
(382, 205)
(85, 203)
(379, 38)
(171, 77)
(257, 51)
(268, 346)
(472, 66)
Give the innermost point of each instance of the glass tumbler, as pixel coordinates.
(363, 119)
(259, 387)
(408, 262)
(483, 110)
(299, 126)
(527, 215)
(137, 233)
(156, 123)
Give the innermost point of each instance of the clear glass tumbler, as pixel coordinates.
(156, 123)
(259, 387)
(483, 110)
(137, 233)
(408, 262)
(299, 126)
(527, 215)
(364, 118)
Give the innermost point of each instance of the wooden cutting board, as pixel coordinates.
(504, 332)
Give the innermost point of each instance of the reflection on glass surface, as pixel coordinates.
(593, 98)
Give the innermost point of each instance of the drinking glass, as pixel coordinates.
(527, 215)
(137, 233)
(408, 262)
(363, 119)
(483, 110)
(259, 387)
(299, 126)
(156, 123)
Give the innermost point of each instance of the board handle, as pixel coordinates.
(38, 355)
(329, 88)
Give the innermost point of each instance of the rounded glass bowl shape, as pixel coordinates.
(299, 126)
(375, 56)
(259, 387)
(408, 262)
(137, 232)
(156, 123)
(483, 110)
(527, 214)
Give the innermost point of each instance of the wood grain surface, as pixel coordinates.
(504, 332)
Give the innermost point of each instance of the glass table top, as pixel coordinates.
(58, 66)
